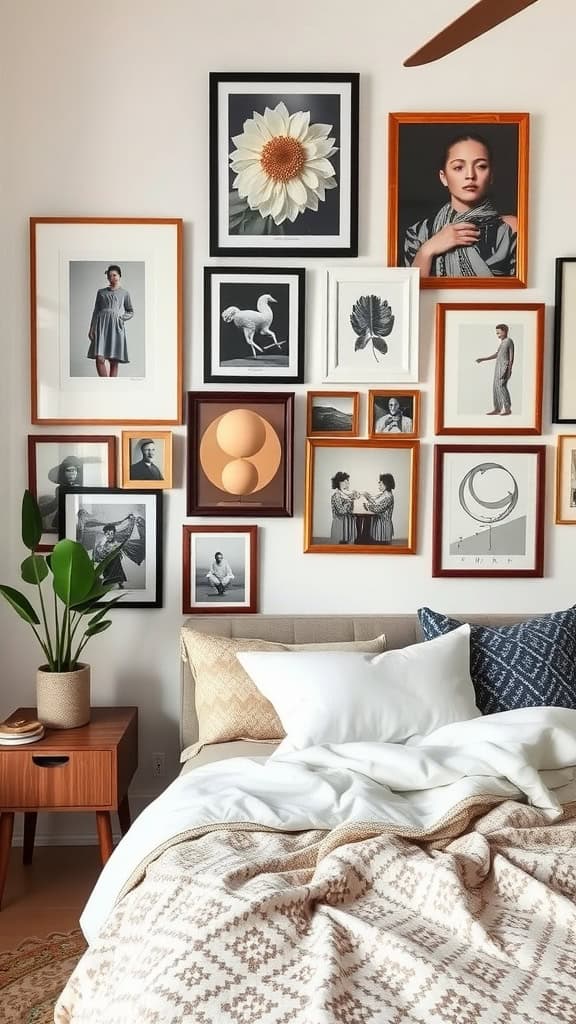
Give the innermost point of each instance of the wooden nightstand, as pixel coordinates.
(86, 769)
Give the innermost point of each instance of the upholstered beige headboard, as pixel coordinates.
(400, 631)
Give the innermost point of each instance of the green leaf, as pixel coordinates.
(34, 569)
(73, 572)
(20, 604)
(98, 627)
(98, 590)
(31, 521)
(104, 611)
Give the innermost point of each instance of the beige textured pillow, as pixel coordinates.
(228, 704)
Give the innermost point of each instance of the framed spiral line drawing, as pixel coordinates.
(489, 510)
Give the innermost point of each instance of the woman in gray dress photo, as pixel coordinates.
(107, 333)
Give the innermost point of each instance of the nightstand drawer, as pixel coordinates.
(82, 778)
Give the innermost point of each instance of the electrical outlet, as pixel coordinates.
(158, 765)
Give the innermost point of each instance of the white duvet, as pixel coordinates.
(529, 753)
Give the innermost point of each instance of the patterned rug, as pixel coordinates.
(33, 975)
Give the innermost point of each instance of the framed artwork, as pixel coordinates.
(106, 312)
(219, 569)
(566, 479)
(147, 460)
(239, 457)
(361, 496)
(106, 520)
(489, 510)
(66, 460)
(283, 164)
(458, 198)
(489, 363)
(254, 325)
(563, 401)
(372, 324)
(332, 413)
(393, 413)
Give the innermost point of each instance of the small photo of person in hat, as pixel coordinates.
(68, 473)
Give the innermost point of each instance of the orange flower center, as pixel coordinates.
(282, 158)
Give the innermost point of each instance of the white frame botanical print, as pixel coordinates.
(372, 325)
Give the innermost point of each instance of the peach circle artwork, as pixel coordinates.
(240, 452)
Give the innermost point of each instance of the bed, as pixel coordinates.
(429, 878)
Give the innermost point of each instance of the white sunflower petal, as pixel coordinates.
(275, 122)
(293, 211)
(261, 192)
(312, 201)
(322, 166)
(317, 131)
(245, 154)
(296, 190)
(279, 200)
(248, 177)
(323, 147)
(298, 124)
(309, 177)
(262, 127)
(249, 140)
(330, 183)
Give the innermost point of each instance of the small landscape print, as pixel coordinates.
(333, 413)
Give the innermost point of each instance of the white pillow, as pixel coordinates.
(333, 697)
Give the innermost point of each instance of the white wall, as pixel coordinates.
(104, 111)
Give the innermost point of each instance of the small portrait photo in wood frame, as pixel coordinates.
(489, 510)
(563, 398)
(66, 460)
(147, 459)
(332, 413)
(394, 413)
(566, 479)
(489, 366)
(361, 496)
(458, 198)
(240, 453)
(219, 569)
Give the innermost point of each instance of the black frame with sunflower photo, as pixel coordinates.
(284, 164)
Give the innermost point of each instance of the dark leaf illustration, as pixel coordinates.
(372, 320)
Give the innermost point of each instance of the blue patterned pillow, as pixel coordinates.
(526, 664)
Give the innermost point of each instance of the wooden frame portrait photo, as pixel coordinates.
(361, 496)
(332, 413)
(489, 510)
(563, 400)
(254, 321)
(283, 164)
(147, 459)
(566, 479)
(489, 366)
(239, 453)
(458, 198)
(393, 413)
(106, 313)
(219, 569)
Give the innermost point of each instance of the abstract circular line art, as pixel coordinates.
(485, 508)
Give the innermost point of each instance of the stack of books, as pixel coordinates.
(14, 731)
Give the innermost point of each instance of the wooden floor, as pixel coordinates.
(50, 894)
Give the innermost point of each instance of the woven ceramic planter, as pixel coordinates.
(63, 698)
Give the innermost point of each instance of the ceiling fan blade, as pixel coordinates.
(475, 22)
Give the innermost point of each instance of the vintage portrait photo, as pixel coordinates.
(361, 496)
(489, 363)
(488, 510)
(393, 413)
(371, 324)
(458, 187)
(106, 521)
(146, 459)
(107, 318)
(56, 461)
(220, 569)
(566, 479)
(332, 413)
(254, 325)
(283, 164)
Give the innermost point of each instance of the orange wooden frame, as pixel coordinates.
(140, 485)
(395, 393)
(561, 441)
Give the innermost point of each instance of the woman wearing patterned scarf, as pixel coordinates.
(467, 237)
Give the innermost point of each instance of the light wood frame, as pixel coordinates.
(561, 468)
(395, 393)
(224, 607)
(353, 432)
(355, 548)
(502, 311)
(155, 435)
(476, 121)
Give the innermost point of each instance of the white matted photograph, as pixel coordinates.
(111, 520)
(489, 361)
(332, 413)
(566, 479)
(361, 496)
(372, 324)
(219, 569)
(106, 320)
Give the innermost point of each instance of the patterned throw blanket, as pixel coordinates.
(475, 924)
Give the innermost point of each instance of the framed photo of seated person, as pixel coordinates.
(219, 569)
(147, 459)
(458, 198)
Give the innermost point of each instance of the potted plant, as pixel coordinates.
(65, 623)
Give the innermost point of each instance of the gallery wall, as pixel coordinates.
(104, 112)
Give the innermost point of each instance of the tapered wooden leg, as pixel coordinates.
(124, 815)
(6, 830)
(30, 818)
(104, 834)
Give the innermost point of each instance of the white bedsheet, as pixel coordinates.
(529, 752)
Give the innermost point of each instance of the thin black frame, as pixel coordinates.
(212, 378)
(559, 292)
(129, 496)
(352, 79)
